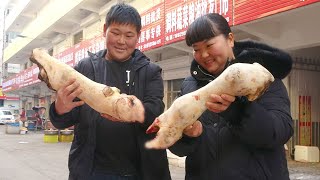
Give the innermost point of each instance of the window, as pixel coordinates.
(77, 38)
(173, 90)
(16, 111)
(6, 113)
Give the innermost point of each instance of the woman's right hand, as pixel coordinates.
(194, 130)
(65, 96)
(218, 104)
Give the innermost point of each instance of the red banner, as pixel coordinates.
(249, 10)
(9, 98)
(180, 14)
(2, 96)
(66, 56)
(152, 31)
(94, 45)
(167, 23)
(24, 78)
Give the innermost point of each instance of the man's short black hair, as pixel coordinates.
(122, 13)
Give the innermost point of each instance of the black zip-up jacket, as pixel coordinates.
(246, 141)
(147, 85)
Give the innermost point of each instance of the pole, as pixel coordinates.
(2, 39)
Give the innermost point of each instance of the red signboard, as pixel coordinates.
(152, 31)
(180, 14)
(24, 78)
(249, 10)
(12, 98)
(2, 96)
(66, 56)
(94, 45)
(9, 98)
(167, 23)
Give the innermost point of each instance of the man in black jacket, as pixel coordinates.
(235, 139)
(104, 148)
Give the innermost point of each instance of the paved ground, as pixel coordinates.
(27, 157)
(304, 171)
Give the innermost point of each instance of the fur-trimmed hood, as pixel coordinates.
(278, 62)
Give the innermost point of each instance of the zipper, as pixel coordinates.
(131, 82)
(206, 73)
(218, 152)
(210, 75)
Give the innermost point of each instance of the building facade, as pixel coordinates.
(68, 29)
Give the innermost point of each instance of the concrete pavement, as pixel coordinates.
(27, 157)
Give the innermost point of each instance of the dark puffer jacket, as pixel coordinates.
(246, 141)
(147, 85)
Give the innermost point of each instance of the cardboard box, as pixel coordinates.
(306, 153)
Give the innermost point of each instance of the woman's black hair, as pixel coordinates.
(206, 27)
(122, 13)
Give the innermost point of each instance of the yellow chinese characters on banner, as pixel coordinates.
(305, 120)
(2, 96)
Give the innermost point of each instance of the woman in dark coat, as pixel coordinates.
(235, 138)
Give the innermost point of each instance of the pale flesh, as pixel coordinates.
(239, 79)
(102, 98)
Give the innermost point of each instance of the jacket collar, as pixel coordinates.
(200, 74)
(138, 57)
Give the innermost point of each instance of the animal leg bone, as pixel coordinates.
(100, 97)
(239, 79)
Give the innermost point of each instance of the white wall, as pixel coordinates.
(12, 104)
(175, 68)
(63, 45)
(93, 30)
(89, 32)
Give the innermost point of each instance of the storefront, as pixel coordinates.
(284, 24)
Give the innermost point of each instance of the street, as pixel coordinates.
(27, 157)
